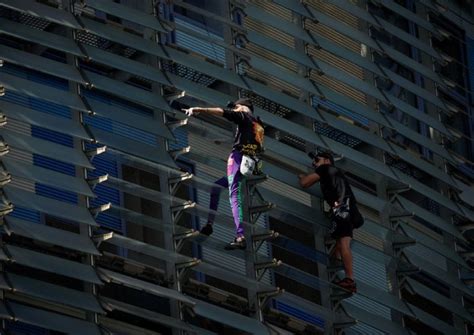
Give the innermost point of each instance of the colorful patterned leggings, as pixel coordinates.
(234, 182)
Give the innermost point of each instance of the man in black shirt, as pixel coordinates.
(248, 142)
(345, 216)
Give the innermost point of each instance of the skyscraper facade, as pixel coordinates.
(105, 182)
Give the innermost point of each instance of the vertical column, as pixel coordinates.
(167, 215)
(256, 269)
(250, 254)
(6, 178)
(83, 201)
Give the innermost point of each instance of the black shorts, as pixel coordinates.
(340, 228)
(343, 228)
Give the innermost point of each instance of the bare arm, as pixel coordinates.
(208, 110)
(307, 180)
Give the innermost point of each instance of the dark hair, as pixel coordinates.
(244, 102)
(321, 154)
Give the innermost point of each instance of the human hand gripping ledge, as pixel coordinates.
(190, 111)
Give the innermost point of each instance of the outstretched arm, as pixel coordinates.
(208, 110)
(307, 180)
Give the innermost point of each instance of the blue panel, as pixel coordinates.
(16, 98)
(99, 122)
(26, 214)
(106, 194)
(39, 132)
(36, 76)
(121, 129)
(14, 70)
(53, 136)
(301, 250)
(114, 101)
(110, 222)
(298, 313)
(340, 110)
(53, 164)
(105, 164)
(195, 44)
(50, 108)
(20, 328)
(55, 193)
(37, 104)
(118, 127)
(181, 135)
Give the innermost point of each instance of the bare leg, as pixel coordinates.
(346, 253)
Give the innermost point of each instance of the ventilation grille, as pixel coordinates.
(430, 205)
(105, 44)
(294, 141)
(26, 19)
(336, 135)
(188, 73)
(404, 167)
(266, 104)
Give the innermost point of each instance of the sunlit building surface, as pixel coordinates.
(105, 182)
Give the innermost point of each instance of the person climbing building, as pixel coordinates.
(345, 216)
(242, 161)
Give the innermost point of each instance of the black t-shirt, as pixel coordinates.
(334, 184)
(248, 138)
